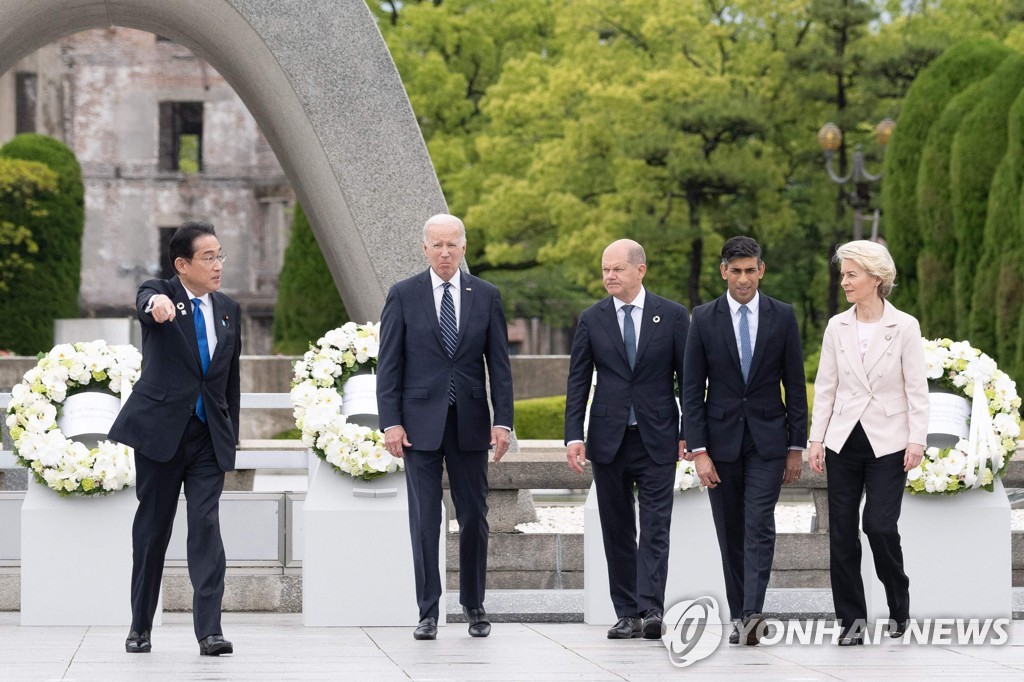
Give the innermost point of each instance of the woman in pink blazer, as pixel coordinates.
(869, 425)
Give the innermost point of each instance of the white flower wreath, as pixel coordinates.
(316, 394)
(65, 465)
(958, 366)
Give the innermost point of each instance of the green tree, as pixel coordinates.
(308, 303)
(21, 184)
(49, 290)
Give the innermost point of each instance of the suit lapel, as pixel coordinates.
(426, 291)
(183, 317)
(765, 318)
(649, 327)
(610, 323)
(220, 324)
(850, 344)
(465, 305)
(723, 320)
(888, 332)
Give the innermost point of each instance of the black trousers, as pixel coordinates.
(467, 480)
(743, 506)
(852, 471)
(636, 570)
(157, 485)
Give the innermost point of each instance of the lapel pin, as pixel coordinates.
(888, 337)
(656, 319)
(469, 288)
(181, 308)
(224, 321)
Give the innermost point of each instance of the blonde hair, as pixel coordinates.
(874, 259)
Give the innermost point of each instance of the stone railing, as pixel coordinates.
(263, 530)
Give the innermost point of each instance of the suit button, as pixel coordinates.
(846, 371)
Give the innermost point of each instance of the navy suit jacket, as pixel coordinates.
(649, 386)
(414, 370)
(715, 420)
(154, 418)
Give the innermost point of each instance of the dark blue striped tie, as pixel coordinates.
(449, 331)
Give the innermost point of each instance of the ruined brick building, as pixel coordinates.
(161, 138)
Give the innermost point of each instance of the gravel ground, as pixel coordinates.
(789, 518)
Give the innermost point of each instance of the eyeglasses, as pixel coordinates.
(208, 260)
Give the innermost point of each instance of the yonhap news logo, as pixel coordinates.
(694, 631)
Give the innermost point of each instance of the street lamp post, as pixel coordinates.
(830, 137)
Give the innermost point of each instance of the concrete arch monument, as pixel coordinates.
(320, 82)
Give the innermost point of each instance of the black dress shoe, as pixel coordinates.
(898, 628)
(851, 640)
(734, 636)
(653, 626)
(427, 629)
(138, 642)
(626, 628)
(752, 629)
(215, 645)
(478, 623)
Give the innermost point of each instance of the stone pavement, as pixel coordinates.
(278, 647)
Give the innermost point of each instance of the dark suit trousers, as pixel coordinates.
(743, 506)
(467, 480)
(636, 571)
(157, 486)
(852, 471)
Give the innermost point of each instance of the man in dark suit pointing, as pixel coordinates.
(182, 420)
(438, 332)
(744, 439)
(635, 340)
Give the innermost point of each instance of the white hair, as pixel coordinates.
(445, 219)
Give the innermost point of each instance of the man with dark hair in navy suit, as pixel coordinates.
(182, 420)
(744, 440)
(635, 340)
(439, 330)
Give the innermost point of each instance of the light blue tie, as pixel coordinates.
(449, 331)
(204, 349)
(746, 355)
(629, 339)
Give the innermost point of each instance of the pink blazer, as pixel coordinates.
(887, 392)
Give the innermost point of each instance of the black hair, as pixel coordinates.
(740, 247)
(183, 240)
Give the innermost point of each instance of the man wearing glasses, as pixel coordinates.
(182, 420)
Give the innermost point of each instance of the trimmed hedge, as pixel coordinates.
(936, 263)
(308, 303)
(973, 162)
(540, 418)
(957, 68)
(50, 289)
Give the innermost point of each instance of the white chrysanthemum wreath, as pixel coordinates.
(317, 387)
(976, 461)
(65, 465)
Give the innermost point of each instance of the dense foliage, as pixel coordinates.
(55, 219)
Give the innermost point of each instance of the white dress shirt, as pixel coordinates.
(211, 324)
(456, 289)
(752, 308)
(637, 314)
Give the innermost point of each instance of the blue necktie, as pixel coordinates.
(204, 349)
(746, 355)
(449, 331)
(629, 339)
